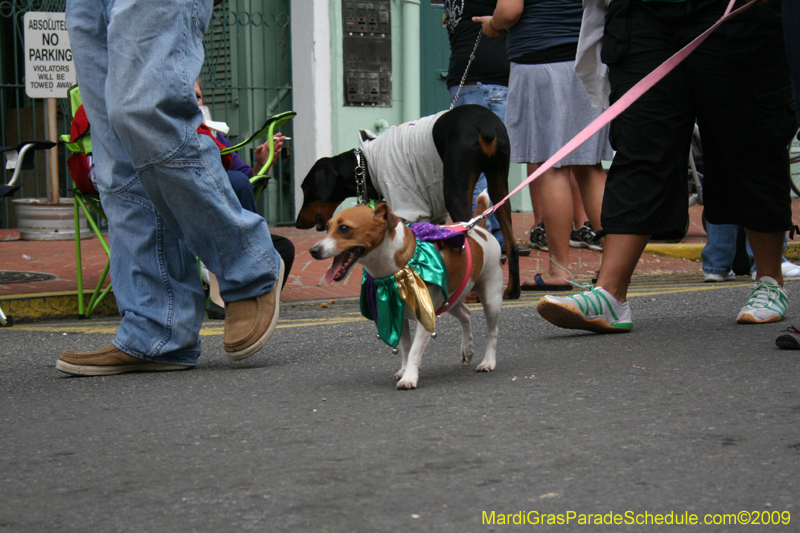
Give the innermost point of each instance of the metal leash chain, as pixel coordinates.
(464, 77)
(362, 198)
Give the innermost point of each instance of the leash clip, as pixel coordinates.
(469, 226)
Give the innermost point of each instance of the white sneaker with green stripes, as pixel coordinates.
(766, 303)
(593, 310)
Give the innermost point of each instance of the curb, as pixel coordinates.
(32, 307)
(689, 251)
(693, 251)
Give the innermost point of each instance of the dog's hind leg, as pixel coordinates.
(497, 179)
(405, 347)
(492, 300)
(462, 313)
(414, 360)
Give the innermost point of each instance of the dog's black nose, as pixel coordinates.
(316, 252)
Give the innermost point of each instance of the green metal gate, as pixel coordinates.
(246, 77)
(434, 58)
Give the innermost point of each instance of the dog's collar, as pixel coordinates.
(362, 178)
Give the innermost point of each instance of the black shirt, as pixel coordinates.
(490, 65)
(547, 32)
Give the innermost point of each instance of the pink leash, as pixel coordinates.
(456, 295)
(619, 106)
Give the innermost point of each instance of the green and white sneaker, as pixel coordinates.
(593, 310)
(766, 303)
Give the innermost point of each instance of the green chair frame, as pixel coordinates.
(90, 203)
(273, 123)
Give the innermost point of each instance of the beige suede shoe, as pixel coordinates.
(250, 323)
(109, 360)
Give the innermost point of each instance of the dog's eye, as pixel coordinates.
(344, 229)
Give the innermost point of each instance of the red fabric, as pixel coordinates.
(77, 162)
(79, 171)
(227, 159)
(80, 124)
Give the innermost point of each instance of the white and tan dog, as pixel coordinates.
(383, 244)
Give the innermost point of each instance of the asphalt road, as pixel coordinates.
(688, 415)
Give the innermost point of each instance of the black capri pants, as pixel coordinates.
(736, 86)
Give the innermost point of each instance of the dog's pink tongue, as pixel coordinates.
(335, 267)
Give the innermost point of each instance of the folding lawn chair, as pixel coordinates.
(86, 198)
(20, 157)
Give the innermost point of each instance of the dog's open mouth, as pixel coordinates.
(342, 264)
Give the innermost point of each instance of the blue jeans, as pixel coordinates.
(720, 249)
(167, 197)
(492, 97)
(243, 189)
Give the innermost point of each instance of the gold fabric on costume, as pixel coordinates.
(414, 293)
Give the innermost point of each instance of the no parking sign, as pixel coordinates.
(49, 71)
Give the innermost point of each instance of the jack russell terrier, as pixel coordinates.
(409, 278)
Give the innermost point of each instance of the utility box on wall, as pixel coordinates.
(367, 51)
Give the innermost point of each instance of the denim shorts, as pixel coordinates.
(492, 97)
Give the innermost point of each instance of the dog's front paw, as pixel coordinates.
(406, 384)
(399, 374)
(485, 367)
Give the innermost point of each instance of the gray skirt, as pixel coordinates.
(547, 107)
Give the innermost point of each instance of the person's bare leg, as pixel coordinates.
(767, 252)
(620, 256)
(578, 212)
(557, 211)
(591, 180)
(535, 190)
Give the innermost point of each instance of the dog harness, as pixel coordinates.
(383, 299)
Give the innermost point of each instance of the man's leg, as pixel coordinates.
(768, 253)
(645, 190)
(156, 283)
(621, 254)
(743, 97)
(152, 120)
(719, 251)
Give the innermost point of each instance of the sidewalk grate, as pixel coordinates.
(11, 276)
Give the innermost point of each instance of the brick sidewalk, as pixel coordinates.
(306, 278)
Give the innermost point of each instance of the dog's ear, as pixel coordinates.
(384, 215)
(366, 135)
(325, 180)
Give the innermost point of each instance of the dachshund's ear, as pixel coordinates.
(384, 215)
(325, 180)
(366, 135)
